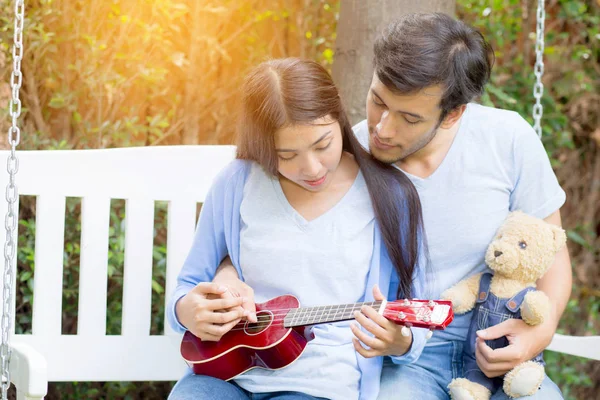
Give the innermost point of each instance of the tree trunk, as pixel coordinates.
(359, 23)
(192, 101)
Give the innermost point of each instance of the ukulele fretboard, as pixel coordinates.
(324, 314)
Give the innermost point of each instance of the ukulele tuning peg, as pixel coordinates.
(431, 303)
(405, 331)
(401, 315)
(406, 302)
(429, 335)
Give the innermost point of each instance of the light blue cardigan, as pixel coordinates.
(218, 235)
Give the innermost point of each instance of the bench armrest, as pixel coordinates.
(582, 346)
(28, 372)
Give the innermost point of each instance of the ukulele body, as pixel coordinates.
(260, 345)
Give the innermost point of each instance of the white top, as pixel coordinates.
(322, 262)
(495, 165)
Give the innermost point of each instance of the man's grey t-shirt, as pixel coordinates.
(495, 165)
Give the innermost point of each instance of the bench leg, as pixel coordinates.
(28, 372)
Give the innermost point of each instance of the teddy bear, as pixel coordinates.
(522, 250)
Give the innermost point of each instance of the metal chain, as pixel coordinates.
(12, 194)
(538, 88)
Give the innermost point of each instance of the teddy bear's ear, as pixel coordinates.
(560, 237)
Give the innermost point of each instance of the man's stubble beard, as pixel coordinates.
(407, 153)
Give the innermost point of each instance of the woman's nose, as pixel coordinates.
(311, 167)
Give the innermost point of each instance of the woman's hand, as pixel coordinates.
(388, 339)
(206, 313)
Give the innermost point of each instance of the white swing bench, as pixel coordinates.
(179, 175)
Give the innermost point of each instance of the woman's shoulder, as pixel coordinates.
(232, 174)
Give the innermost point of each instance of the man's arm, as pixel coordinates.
(525, 341)
(228, 277)
(557, 282)
(226, 270)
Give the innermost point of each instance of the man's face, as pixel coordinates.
(401, 125)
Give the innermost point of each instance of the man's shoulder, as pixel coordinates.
(497, 124)
(361, 132)
(492, 117)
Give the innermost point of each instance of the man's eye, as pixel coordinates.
(377, 103)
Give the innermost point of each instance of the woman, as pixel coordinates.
(303, 211)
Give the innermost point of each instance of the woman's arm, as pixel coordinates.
(196, 304)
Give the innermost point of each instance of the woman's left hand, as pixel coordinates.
(387, 339)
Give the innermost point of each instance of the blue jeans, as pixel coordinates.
(200, 387)
(429, 376)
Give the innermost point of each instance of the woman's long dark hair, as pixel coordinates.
(291, 91)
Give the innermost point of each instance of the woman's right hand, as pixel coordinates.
(201, 311)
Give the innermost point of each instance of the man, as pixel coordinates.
(471, 165)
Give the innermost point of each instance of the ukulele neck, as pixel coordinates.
(325, 314)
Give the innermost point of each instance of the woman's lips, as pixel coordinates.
(317, 182)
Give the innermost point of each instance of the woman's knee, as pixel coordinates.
(407, 382)
(199, 387)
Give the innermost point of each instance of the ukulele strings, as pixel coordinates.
(277, 318)
(265, 322)
(311, 313)
(354, 307)
(275, 313)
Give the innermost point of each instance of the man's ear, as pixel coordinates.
(453, 116)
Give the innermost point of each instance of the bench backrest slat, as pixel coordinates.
(93, 271)
(181, 228)
(137, 278)
(48, 275)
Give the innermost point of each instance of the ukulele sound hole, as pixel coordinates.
(265, 319)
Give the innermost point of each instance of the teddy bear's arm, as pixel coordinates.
(535, 308)
(464, 294)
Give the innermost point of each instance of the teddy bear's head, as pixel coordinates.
(524, 247)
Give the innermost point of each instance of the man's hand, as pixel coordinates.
(525, 342)
(201, 316)
(387, 340)
(227, 277)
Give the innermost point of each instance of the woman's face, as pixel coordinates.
(310, 154)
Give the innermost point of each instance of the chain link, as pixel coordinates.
(12, 194)
(538, 88)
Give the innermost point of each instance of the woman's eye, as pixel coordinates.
(286, 158)
(522, 245)
(324, 147)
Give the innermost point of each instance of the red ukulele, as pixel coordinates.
(277, 339)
